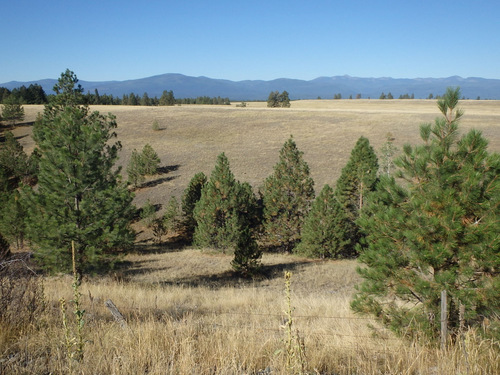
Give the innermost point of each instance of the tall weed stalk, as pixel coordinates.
(74, 341)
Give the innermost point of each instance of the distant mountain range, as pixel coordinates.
(324, 87)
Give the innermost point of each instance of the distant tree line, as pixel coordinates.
(34, 94)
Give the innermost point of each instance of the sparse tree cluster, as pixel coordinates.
(142, 164)
(276, 99)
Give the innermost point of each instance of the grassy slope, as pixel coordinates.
(251, 137)
(187, 312)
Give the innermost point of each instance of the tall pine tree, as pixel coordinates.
(287, 197)
(357, 179)
(80, 197)
(326, 230)
(191, 196)
(436, 228)
(225, 210)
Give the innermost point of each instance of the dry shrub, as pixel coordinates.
(21, 295)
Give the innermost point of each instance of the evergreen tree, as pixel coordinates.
(225, 209)
(436, 230)
(276, 99)
(142, 164)
(167, 98)
(326, 229)
(287, 196)
(79, 198)
(284, 99)
(247, 254)
(13, 160)
(387, 151)
(12, 219)
(145, 100)
(135, 169)
(191, 196)
(4, 249)
(150, 160)
(273, 99)
(12, 110)
(356, 180)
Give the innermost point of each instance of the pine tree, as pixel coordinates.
(357, 178)
(4, 249)
(247, 254)
(273, 99)
(436, 230)
(79, 196)
(150, 160)
(387, 152)
(12, 110)
(12, 218)
(284, 99)
(191, 196)
(135, 169)
(13, 160)
(225, 209)
(326, 229)
(287, 196)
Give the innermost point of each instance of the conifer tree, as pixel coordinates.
(387, 152)
(326, 229)
(435, 230)
(357, 178)
(13, 160)
(287, 196)
(4, 248)
(135, 169)
(225, 209)
(80, 197)
(191, 196)
(12, 110)
(151, 161)
(247, 254)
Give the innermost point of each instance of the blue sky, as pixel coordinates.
(237, 40)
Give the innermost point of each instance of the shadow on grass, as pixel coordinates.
(146, 247)
(213, 281)
(161, 171)
(231, 279)
(168, 168)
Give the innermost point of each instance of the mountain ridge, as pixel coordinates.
(325, 87)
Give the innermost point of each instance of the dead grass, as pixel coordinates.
(187, 314)
(251, 137)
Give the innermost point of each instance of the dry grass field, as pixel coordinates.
(186, 311)
(325, 130)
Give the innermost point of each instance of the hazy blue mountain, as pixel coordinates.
(324, 87)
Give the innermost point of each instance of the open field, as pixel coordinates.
(186, 311)
(187, 314)
(325, 130)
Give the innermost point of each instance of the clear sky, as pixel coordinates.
(237, 40)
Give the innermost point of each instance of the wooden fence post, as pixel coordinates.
(116, 313)
(444, 319)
